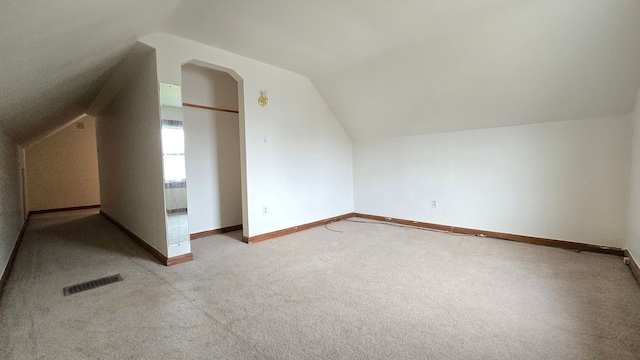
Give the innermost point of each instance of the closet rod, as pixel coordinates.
(209, 108)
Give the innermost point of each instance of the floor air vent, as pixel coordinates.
(70, 290)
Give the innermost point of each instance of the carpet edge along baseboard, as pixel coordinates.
(294, 229)
(633, 264)
(223, 230)
(563, 244)
(72, 208)
(12, 257)
(150, 249)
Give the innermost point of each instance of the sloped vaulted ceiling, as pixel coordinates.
(540, 61)
(56, 55)
(385, 68)
(419, 66)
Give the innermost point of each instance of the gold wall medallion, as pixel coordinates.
(263, 99)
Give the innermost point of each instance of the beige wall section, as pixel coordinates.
(212, 149)
(62, 169)
(11, 215)
(208, 87)
(130, 156)
(633, 234)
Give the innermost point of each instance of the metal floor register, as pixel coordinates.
(73, 289)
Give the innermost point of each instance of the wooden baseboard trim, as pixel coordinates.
(291, 230)
(175, 211)
(633, 264)
(153, 251)
(209, 108)
(223, 230)
(36, 212)
(150, 249)
(504, 236)
(179, 259)
(7, 270)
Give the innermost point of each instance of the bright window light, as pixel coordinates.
(173, 154)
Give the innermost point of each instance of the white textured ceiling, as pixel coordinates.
(385, 68)
(56, 55)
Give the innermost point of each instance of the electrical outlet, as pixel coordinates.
(434, 204)
(625, 260)
(265, 210)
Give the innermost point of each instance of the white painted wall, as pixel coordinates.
(11, 213)
(212, 148)
(130, 157)
(633, 236)
(62, 169)
(565, 180)
(304, 174)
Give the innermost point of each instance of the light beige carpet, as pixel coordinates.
(371, 291)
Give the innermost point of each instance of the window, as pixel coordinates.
(173, 154)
